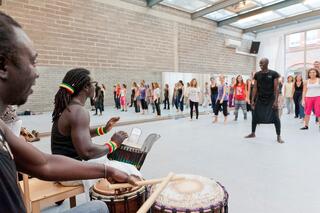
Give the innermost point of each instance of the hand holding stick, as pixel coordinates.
(146, 206)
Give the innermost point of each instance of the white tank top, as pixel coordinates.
(313, 89)
(122, 92)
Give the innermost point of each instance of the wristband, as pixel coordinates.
(112, 146)
(101, 131)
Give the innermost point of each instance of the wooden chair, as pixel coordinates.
(38, 193)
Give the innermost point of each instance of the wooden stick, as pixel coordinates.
(141, 183)
(146, 206)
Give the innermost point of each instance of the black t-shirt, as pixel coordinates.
(10, 196)
(166, 93)
(298, 89)
(265, 84)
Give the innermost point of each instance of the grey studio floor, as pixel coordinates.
(260, 175)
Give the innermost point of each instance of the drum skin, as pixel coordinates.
(193, 194)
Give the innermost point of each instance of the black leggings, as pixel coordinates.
(224, 106)
(144, 104)
(136, 106)
(297, 99)
(196, 104)
(157, 103)
(277, 125)
(166, 102)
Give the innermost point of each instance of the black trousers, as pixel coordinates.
(136, 106)
(196, 105)
(166, 103)
(118, 103)
(144, 104)
(157, 103)
(224, 106)
(131, 100)
(98, 106)
(297, 99)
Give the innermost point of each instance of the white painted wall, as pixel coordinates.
(273, 43)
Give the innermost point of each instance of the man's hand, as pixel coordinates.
(117, 176)
(221, 101)
(111, 123)
(253, 105)
(119, 137)
(275, 105)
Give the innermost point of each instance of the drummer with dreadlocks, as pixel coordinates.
(71, 134)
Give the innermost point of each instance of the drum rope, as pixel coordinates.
(126, 204)
(113, 205)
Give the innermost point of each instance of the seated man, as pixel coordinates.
(71, 134)
(17, 76)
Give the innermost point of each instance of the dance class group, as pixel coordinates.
(112, 185)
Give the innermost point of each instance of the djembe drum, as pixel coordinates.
(192, 194)
(119, 202)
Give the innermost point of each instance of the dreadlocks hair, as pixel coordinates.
(77, 78)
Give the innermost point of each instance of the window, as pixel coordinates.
(302, 49)
(295, 40)
(313, 37)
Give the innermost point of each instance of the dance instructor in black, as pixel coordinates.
(264, 99)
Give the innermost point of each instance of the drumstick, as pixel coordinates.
(141, 183)
(146, 206)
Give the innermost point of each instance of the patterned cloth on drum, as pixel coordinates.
(119, 202)
(192, 194)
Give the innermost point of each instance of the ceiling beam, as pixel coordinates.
(276, 6)
(215, 7)
(151, 3)
(299, 18)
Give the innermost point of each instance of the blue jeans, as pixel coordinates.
(213, 101)
(95, 206)
(301, 111)
(240, 104)
(179, 103)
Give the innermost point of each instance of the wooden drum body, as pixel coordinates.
(193, 194)
(119, 202)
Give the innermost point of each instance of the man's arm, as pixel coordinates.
(304, 92)
(254, 93)
(276, 91)
(31, 161)
(248, 88)
(81, 138)
(107, 128)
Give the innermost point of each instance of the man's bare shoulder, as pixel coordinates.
(76, 113)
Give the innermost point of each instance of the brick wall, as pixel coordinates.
(119, 41)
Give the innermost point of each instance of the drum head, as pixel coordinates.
(101, 188)
(192, 193)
